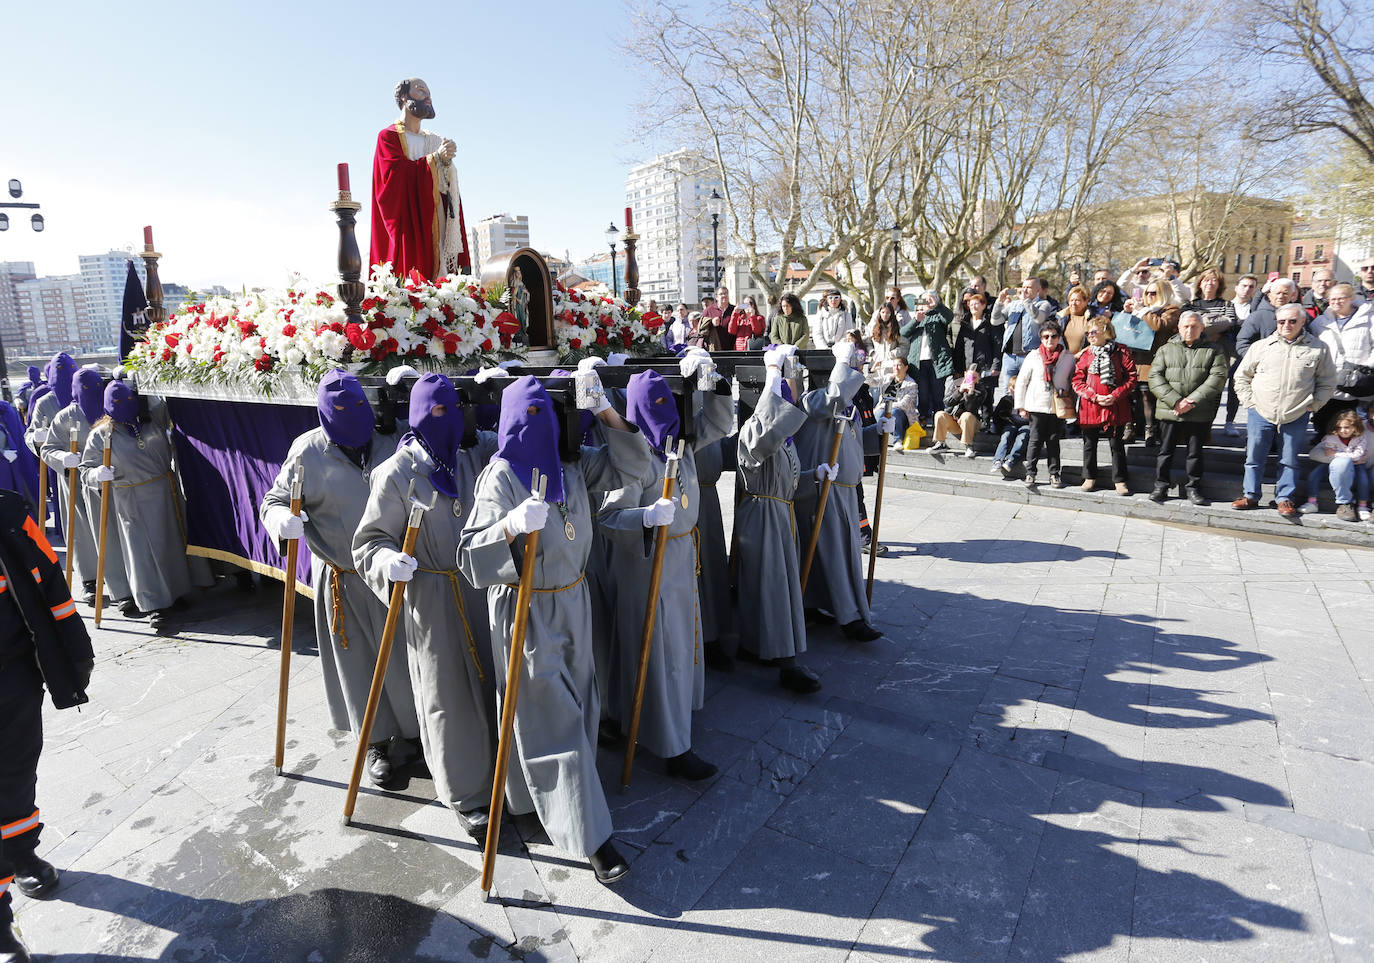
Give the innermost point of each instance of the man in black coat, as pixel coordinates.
(42, 642)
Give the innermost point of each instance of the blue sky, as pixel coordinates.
(221, 125)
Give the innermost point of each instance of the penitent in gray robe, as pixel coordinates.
(85, 540)
(770, 617)
(448, 648)
(146, 503)
(837, 581)
(40, 420)
(348, 617)
(676, 682)
(553, 765)
(713, 580)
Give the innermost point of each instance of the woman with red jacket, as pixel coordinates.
(745, 322)
(1103, 379)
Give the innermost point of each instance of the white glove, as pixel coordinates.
(887, 425)
(11, 455)
(512, 363)
(120, 373)
(400, 567)
(774, 382)
(772, 358)
(615, 359)
(40, 435)
(824, 471)
(104, 474)
(394, 376)
(70, 459)
(788, 349)
(486, 374)
(281, 524)
(659, 513)
(587, 383)
(844, 352)
(529, 516)
(588, 364)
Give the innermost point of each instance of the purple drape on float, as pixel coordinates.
(229, 454)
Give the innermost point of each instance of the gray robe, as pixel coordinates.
(85, 541)
(770, 617)
(837, 581)
(348, 617)
(448, 649)
(713, 579)
(146, 504)
(676, 682)
(41, 418)
(553, 766)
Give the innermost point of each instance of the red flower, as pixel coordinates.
(450, 343)
(247, 327)
(172, 340)
(219, 354)
(507, 323)
(575, 343)
(626, 338)
(505, 340)
(653, 321)
(360, 337)
(415, 277)
(166, 354)
(601, 337)
(288, 330)
(264, 363)
(486, 345)
(420, 351)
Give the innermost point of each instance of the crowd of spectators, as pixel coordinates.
(1145, 358)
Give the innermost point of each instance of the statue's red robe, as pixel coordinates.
(408, 211)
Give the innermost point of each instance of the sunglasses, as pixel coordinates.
(1288, 321)
(1049, 337)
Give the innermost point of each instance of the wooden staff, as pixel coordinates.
(393, 618)
(878, 504)
(840, 424)
(104, 526)
(42, 491)
(514, 670)
(288, 618)
(650, 611)
(70, 533)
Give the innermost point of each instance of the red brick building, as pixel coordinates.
(1312, 247)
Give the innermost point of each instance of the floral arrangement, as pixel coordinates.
(452, 323)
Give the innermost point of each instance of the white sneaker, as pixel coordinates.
(896, 446)
(1365, 514)
(1307, 508)
(1231, 430)
(970, 453)
(996, 467)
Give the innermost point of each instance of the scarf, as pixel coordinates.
(1048, 359)
(1102, 365)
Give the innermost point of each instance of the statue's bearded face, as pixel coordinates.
(419, 101)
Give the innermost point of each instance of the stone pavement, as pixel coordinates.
(1084, 736)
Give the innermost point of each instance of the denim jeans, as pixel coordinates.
(1012, 446)
(1011, 367)
(929, 390)
(1349, 480)
(1259, 442)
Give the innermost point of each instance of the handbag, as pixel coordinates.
(1356, 380)
(1063, 408)
(1133, 332)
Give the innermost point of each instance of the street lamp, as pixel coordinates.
(896, 231)
(713, 204)
(612, 234)
(16, 191)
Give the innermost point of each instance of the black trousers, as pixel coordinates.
(1045, 429)
(21, 742)
(1091, 433)
(1194, 434)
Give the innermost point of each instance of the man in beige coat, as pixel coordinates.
(1283, 379)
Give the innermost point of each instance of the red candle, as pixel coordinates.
(343, 177)
(629, 220)
(148, 238)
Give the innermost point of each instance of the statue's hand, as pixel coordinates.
(448, 149)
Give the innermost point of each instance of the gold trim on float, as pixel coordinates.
(219, 555)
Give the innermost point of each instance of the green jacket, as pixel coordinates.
(935, 325)
(1197, 373)
(790, 329)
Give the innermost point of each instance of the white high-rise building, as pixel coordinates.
(492, 235)
(103, 277)
(668, 198)
(52, 312)
(11, 331)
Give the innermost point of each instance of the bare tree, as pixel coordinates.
(1321, 55)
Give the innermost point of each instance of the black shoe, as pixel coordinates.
(608, 864)
(402, 751)
(181, 605)
(881, 550)
(800, 679)
(1159, 496)
(609, 735)
(860, 631)
(36, 878)
(130, 610)
(690, 766)
(160, 621)
(378, 765)
(717, 659)
(474, 823)
(1151, 438)
(87, 596)
(818, 617)
(1196, 497)
(11, 949)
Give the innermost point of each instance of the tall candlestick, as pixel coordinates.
(343, 177)
(629, 220)
(148, 238)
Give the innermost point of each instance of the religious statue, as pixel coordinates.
(417, 213)
(520, 301)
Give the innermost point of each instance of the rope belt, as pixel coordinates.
(561, 588)
(172, 490)
(336, 590)
(791, 509)
(452, 575)
(842, 485)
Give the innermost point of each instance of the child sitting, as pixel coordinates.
(900, 389)
(1340, 456)
(1014, 431)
